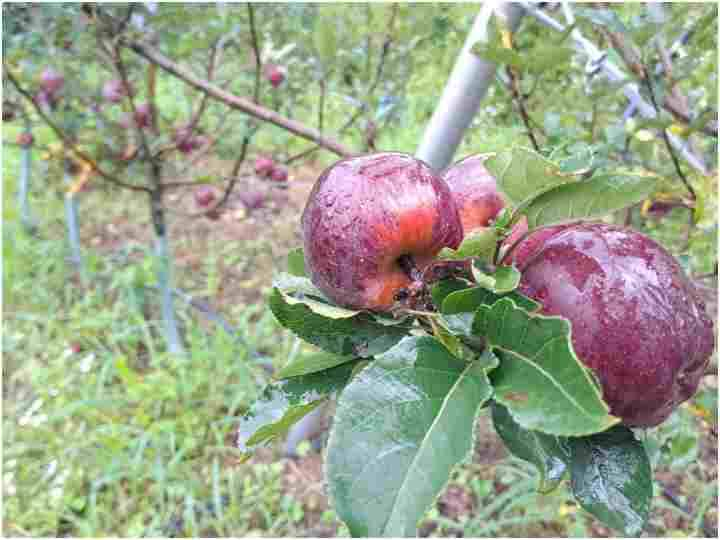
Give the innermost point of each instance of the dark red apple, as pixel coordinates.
(275, 75)
(264, 166)
(366, 218)
(204, 196)
(25, 139)
(143, 115)
(51, 81)
(75, 348)
(475, 192)
(185, 140)
(279, 173)
(637, 321)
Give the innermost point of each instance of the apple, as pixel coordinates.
(51, 81)
(279, 173)
(204, 196)
(264, 166)
(25, 139)
(637, 321)
(475, 192)
(275, 75)
(75, 348)
(114, 91)
(185, 141)
(371, 225)
(252, 200)
(143, 115)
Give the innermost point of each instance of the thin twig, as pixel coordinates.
(520, 102)
(70, 144)
(669, 146)
(256, 52)
(369, 92)
(235, 102)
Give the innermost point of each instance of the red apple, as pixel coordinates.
(204, 196)
(185, 140)
(264, 166)
(75, 348)
(25, 139)
(637, 321)
(279, 173)
(368, 218)
(114, 91)
(275, 75)
(51, 81)
(475, 192)
(143, 115)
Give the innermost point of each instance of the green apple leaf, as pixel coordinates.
(356, 335)
(312, 362)
(547, 452)
(503, 280)
(296, 263)
(458, 308)
(588, 199)
(497, 54)
(611, 478)
(283, 403)
(300, 290)
(443, 288)
(540, 379)
(400, 428)
(522, 174)
(477, 243)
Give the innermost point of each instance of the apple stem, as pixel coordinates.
(407, 264)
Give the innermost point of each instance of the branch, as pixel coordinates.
(235, 102)
(70, 144)
(514, 76)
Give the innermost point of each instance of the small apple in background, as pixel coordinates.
(637, 321)
(264, 166)
(114, 91)
(274, 74)
(252, 200)
(51, 81)
(143, 115)
(186, 141)
(372, 223)
(25, 139)
(204, 196)
(75, 348)
(279, 174)
(475, 192)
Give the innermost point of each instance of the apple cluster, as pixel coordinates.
(265, 167)
(374, 223)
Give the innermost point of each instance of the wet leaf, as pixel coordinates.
(401, 426)
(611, 478)
(588, 199)
(458, 308)
(503, 280)
(283, 403)
(311, 363)
(540, 379)
(356, 335)
(522, 174)
(544, 451)
(477, 243)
